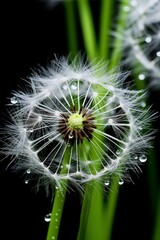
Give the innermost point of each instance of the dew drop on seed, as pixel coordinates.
(121, 182)
(14, 100)
(118, 152)
(56, 113)
(64, 87)
(47, 217)
(31, 130)
(70, 136)
(143, 104)
(26, 181)
(148, 39)
(74, 86)
(135, 157)
(95, 94)
(142, 158)
(158, 54)
(141, 76)
(106, 183)
(28, 171)
(110, 121)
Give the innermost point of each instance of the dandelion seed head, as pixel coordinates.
(79, 128)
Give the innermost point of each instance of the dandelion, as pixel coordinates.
(76, 123)
(141, 40)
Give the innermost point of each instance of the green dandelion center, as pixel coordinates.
(75, 121)
(77, 125)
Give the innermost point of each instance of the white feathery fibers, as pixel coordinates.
(111, 136)
(142, 37)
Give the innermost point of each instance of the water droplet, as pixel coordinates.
(158, 54)
(142, 158)
(68, 166)
(26, 181)
(39, 118)
(106, 183)
(47, 217)
(74, 86)
(121, 182)
(95, 94)
(143, 104)
(31, 130)
(53, 237)
(110, 121)
(135, 157)
(141, 76)
(14, 100)
(28, 171)
(57, 113)
(118, 152)
(64, 87)
(148, 39)
(70, 136)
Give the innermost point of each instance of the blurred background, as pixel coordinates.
(32, 34)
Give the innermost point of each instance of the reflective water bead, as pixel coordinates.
(110, 121)
(148, 39)
(121, 182)
(141, 76)
(64, 87)
(106, 183)
(118, 152)
(47, 217)
(143, 158)
(14, 100)
(70, 136)
(158, 54)
(143, 104)
(74, 86)
(28, 171)
(95, 94)
(26, 181)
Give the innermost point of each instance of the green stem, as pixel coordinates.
(107, 7)
(121, 24)
(85, 212)
(88, 30)
(94, 228)
(71, 28)
(156, 232)
(110, 208)
(56, 214)
(59, 200)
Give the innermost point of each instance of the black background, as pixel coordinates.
(32, 34)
